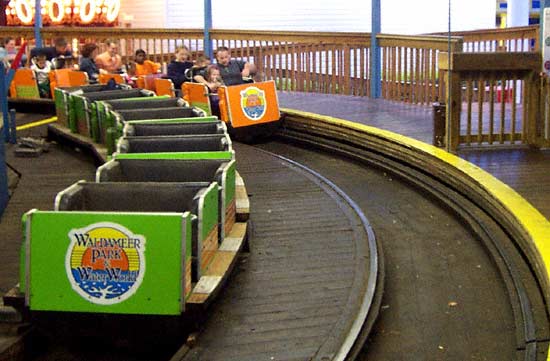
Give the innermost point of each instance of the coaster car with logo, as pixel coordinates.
(250, 110)
(125, 248)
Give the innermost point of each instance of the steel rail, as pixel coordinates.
(371, 299)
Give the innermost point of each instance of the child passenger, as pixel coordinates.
(42, 68)
(144, 66)
(213, 82)
(199, 69)
(178, 67)
(87, 63)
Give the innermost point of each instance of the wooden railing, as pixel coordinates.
(516, 39)
(494, 98)
(335, 63)
(338, 63)
(409, 67)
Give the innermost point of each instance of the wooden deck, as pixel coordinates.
(524, 169)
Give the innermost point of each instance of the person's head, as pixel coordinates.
(9, 44)
(213, 73)
(182, 53)
(60, 45)
(112, 47)
(88, 50)
(40, 61)
(223, 55)
(202, 61)
(140, 56)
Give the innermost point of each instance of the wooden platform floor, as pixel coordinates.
(525, 170)
(41, 179)
(296, 295)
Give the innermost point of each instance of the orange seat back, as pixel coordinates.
(104, 78)
(249, 104)
(148, 81)
(62, 77)
(196, 94)
(78, 78)
(66, 78)
(24, 84)
(140, 82)
(164, 87)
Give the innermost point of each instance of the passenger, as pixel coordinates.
(57, 54)
(199, 69)
(11, 52)
(87, 63)
(42, 68)
(232, 71)
(178, 67)
(109, 60)
(214, 81)
(144, 66)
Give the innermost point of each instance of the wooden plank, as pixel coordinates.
(480, 94)
(492, 109)
(469, 98)
(491, 61)
(234, 239)
(503, 98)
(514, 107)
(221, 263)
(433, 75)
(333, 61)
(385, 63)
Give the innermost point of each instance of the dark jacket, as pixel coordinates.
(88, 65)
(176, 72)
(50, 52)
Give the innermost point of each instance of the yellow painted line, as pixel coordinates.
(532, 221)
(37, 123)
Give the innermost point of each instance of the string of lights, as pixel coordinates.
(65, 12)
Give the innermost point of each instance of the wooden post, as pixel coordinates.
(347, 69)
(453, 102)
(534, 122)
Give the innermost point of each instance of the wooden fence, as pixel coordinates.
(339, 63)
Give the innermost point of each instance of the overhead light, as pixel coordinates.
(64, 12)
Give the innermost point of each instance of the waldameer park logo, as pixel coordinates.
(105, 262)
(253, 103)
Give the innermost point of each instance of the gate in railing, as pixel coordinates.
(495, 98)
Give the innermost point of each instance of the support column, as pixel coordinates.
(4, 137)
(545, 50)
(375, 60)
(545, 35)
(207, 27)
(37, 24)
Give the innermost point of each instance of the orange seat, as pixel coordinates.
(196, 94)
(66, 78)
(164, 87)
(104, 78)
(78, 78)
(148, 81)
(24, 84)
(249, 104)
(140, 82)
